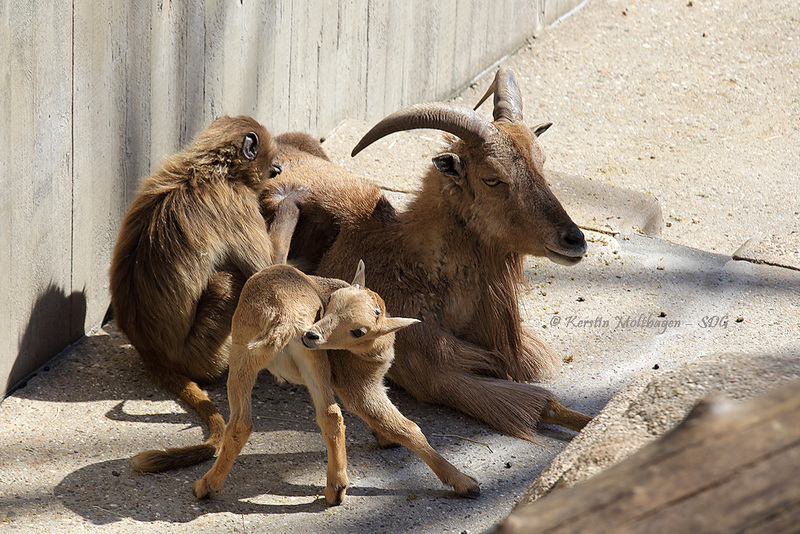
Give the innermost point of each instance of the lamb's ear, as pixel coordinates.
(393, 324)
(450, 165)
(358, 279)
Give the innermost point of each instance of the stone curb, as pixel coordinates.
(651, 406)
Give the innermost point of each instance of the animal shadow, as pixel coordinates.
(108, 492)
(56, 320)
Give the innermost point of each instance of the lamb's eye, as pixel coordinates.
(358, 332)
(491, 182)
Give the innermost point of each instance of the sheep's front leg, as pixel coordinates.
(317, 376)
(241, 379)
(333, 430)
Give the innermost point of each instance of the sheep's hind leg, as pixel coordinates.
(241, 379)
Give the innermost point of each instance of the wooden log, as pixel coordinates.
(729, 467)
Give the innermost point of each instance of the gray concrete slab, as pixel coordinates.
(76, 424)
(780, 250)
(687, 101)
(606, 208)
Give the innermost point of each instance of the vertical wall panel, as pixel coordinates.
(241, 65)
(396, 61)
(281, 58)
(177, 74)
(111, 130)
(327, 115)
(212, 64)
(40, 312)
(303, 58)
(351, 50)
(265, 43)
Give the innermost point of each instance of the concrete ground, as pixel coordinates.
(672, 118)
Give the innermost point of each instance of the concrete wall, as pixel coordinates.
(94, 94)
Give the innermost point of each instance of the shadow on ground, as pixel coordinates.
(257, 485)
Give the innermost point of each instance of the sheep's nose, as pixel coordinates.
(572, 236)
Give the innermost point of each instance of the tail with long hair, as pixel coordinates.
(162, 460)
(513, 408)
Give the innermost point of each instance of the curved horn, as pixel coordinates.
(458, 121)
(507, 100)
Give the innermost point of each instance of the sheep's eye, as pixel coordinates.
(250, 146)
(358, 332)
(491, 182)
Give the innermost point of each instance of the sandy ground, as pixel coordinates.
(695, 102)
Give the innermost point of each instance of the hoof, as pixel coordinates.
(334, 496)
(201, 490)
(469, 489)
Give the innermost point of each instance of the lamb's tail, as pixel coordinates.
(513, 408)
(161, 460)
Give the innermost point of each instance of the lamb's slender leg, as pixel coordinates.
(317, 376)
(241, 379)
(386, 422)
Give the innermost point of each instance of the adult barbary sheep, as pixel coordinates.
(452, 259)
(190, 240)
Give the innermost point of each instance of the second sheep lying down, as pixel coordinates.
(453, 258)
(333, 338)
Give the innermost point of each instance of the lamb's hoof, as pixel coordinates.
(334, 496)
(202, 490)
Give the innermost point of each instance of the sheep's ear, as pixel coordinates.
(450, 165)
(393, 324)
(358, 279)
(541, 128)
